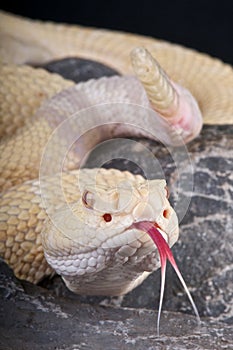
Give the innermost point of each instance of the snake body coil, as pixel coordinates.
(101, 252)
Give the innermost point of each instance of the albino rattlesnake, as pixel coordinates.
(109, 254)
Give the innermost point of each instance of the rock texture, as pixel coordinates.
(50, 317)
(33, 318)
(78, 69)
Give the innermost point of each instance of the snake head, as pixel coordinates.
(95, 243)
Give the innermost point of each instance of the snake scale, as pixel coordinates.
(104, 251)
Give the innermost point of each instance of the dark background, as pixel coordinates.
(203, 25)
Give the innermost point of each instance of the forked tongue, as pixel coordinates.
(165, 254)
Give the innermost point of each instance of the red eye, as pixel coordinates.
(107, 217)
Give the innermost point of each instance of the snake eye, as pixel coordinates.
(107, 217)
(88, 199)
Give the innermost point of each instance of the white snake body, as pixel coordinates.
(93, 253)
(102, 265)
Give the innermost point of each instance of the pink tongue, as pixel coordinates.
(164, 253)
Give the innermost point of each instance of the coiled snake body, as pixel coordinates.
(104, 251)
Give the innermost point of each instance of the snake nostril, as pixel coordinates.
(166, 213)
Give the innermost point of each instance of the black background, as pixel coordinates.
(203, 25)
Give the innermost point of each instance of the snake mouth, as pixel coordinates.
(160, 239)
(144, 226)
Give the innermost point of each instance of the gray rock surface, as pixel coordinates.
(79, 69)
(33, 318)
